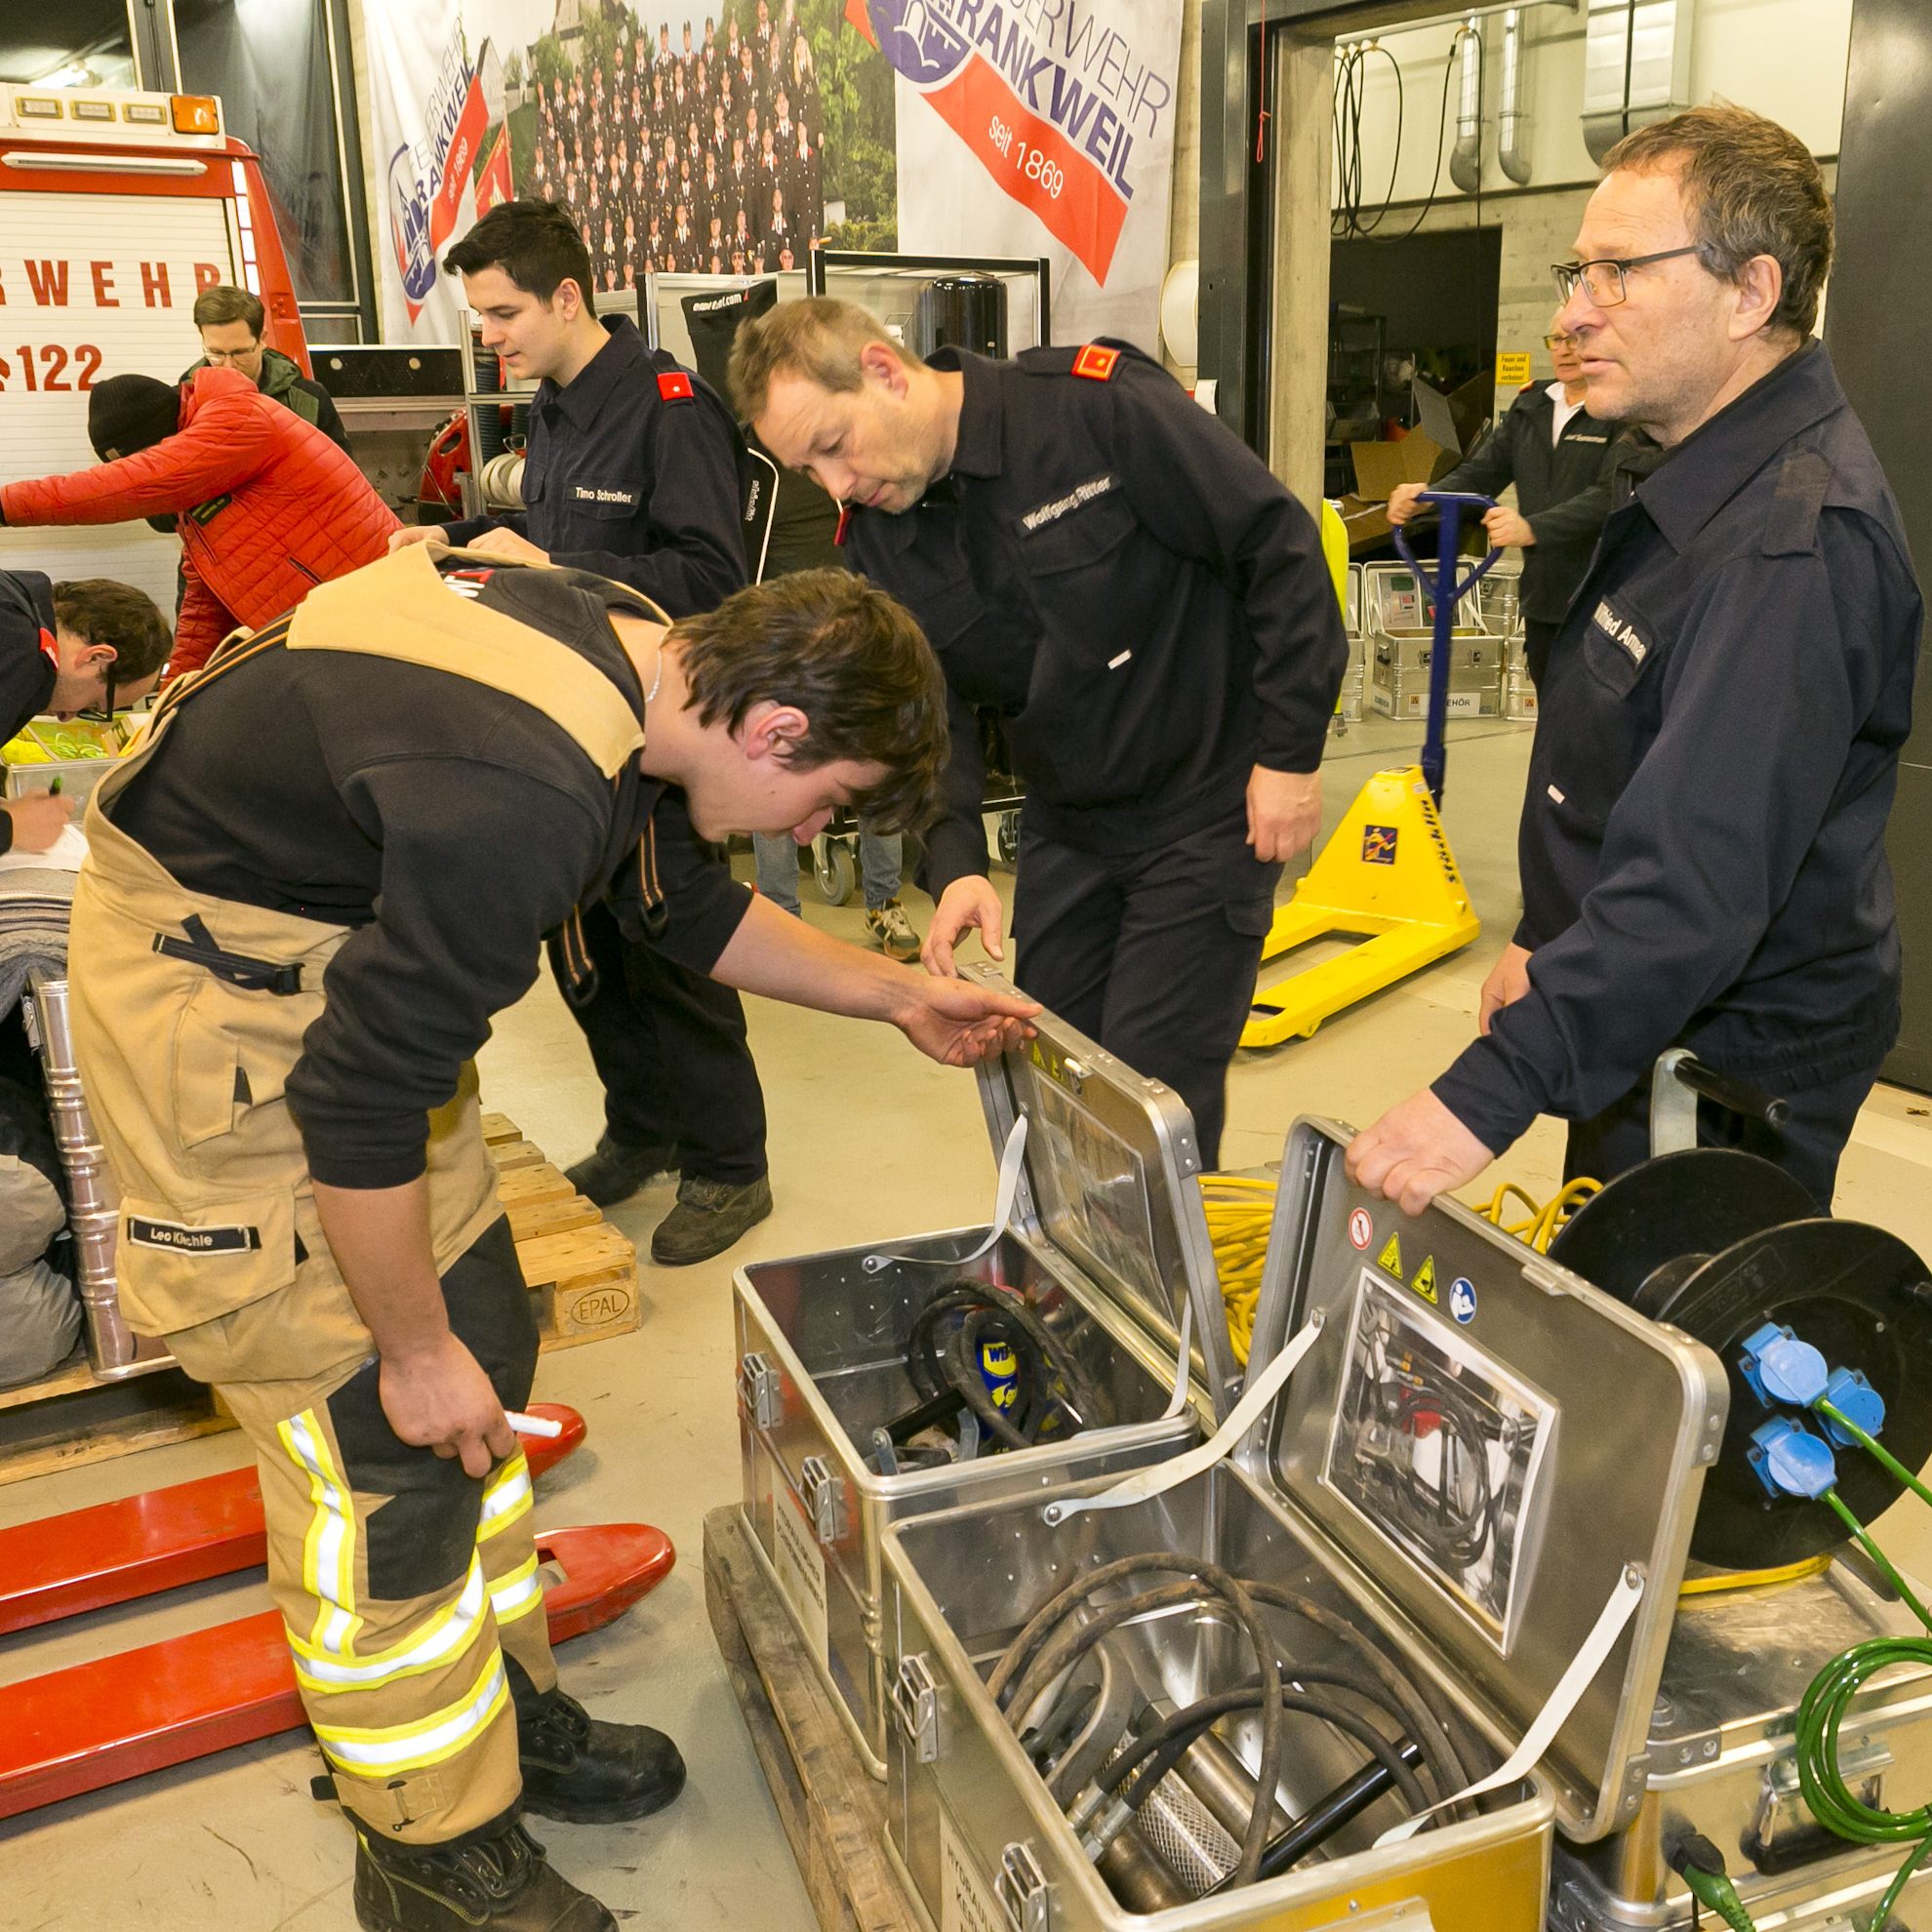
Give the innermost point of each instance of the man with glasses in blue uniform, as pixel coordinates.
(1702, 847)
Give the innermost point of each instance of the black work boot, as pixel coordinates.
(580, 1769)
(615, 1171)
(497, 1877)
(709, 1215)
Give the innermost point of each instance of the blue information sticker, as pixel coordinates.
(1463, 1300)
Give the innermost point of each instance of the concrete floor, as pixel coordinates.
(866, 1140)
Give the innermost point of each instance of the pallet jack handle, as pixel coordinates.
(1448, 590)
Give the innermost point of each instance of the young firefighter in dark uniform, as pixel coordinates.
(329, 865)
(631, 473)
(67, 648)
(1560, 456)
(1094, 557)
(1703, 840)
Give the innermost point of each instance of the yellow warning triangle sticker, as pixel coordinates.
(1425, 1282)
(1391, 1257)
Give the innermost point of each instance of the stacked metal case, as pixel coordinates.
(1108, 1242)
(1349, 700)
(1599, 1426)
(1720, 1759)
(115, 1350)
(1397, 617)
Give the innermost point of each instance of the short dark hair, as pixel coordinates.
(1752, 188)
(103, 612)
(535, 243)
(224, 303)
(852, 659)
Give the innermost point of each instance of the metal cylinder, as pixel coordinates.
(1137, 1877)
(93, 1200)
(1222, 1782)
(961, 312)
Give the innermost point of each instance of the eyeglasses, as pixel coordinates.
(1603, 280)
(104, 713)
(1559, 341)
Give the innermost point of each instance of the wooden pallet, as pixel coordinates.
(833, 1813)
(582, 1277)
(581, 1271)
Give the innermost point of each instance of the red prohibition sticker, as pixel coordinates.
(1361, 1229)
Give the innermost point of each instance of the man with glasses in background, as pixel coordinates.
(1560, 456)
(231, 321)
(1702, 847)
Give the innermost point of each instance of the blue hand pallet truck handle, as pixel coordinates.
(1448, 590)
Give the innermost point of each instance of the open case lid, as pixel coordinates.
(1110, 1185)
(1493, 1563)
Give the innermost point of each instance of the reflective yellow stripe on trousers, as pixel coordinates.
(386, 1750)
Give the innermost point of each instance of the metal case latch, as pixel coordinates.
(759, 1390)
(915, 1704)
(823, 1497)
(1784, 1834)
(1023, 1891)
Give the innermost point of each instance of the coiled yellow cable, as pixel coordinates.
(1546, 1219)
(1240, 1209)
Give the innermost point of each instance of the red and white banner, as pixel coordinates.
(493, 185)
(1065, 115)
(429, 122)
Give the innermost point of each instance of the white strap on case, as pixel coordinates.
(1011, 1157)
(1555, 1714)
(1158, 1481)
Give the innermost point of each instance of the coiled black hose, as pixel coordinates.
(1427, 1736)
(1047, 1383)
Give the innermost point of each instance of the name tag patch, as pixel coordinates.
(179, 1239)
(1051, 511)
(596, 492)
(1619, 631)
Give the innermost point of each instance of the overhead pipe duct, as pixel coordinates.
(1637, 67)
(1465, 161)
(1513, 123)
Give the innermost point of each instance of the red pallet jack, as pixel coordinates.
(121, 1716)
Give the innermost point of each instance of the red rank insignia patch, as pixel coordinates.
(674, 386)
(1095, 362)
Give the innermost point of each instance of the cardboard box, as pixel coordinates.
(1380, 466)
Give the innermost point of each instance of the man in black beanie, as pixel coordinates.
(127, 413)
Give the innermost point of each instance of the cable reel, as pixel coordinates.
(1725, 1246)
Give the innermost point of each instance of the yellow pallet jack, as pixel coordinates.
(1386, 875)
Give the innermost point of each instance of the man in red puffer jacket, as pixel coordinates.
(268, 507)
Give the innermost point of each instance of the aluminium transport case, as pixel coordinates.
(1107, 1238)
(94, 1211)
(1611, 1422)
(1719, 1759)
(1398, 621)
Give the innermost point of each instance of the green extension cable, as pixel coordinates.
(1819, 1714)
(1715, 1892)
(1829, 1697)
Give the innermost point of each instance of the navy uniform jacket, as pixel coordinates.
(26, 663)
(26, 646)
(1703, 840)
(1563, 492)
(631, 473)
(1128, 585)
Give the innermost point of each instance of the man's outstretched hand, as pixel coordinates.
(959, 1024)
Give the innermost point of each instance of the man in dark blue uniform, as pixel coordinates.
(1560, 456)
(1097, 560)
(631, 473)
(1702, 841)
(92, 645)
